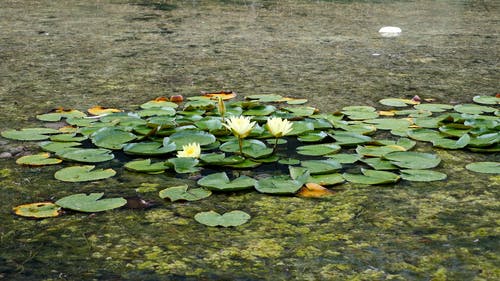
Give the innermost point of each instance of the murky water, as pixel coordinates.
(77, 54)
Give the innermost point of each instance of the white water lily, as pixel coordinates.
(240, 126)
(191, 150)
(279, 127)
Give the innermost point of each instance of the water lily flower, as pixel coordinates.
(191, 150)
(240, 126)
(279, 127)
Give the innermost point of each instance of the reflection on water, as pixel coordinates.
(112, 53)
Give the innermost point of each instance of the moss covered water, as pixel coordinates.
(122, 54)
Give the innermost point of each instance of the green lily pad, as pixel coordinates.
(422, 175)
(360, 115)
(205, 104)
(261, 110)
(184, 165)
(424, 134)
(289, 161)
(379, 164)
(300, 128)
(486, 99)
(433, 107)
(321, 166)
(318, 149)
(371, 177)
(37, 210)
(312, 136)
(416, 113)
(68, 138)
(29, 134)
(209, 124)
(221, 182)
(90, 203)
(328, 179)
(57, 146)
(395, 102)
(145, 166)
(454, 130)
(413, 160)
(86, 155)
(349, 138)
(233, 218)
(83, 173)
(344, 158)
(186, 137)
(484, 167)
(40, 159)
(148, 148)
(473, 108)
(157, 111)
(111, 138)
(182, 192)
(485, 140)
(158, 103)
(221, 159)
(452, 144)
(247, 164)
(59, 114)
(251, 148)
(279, 185)
(378, 151)
(389, 123)
(301, 111)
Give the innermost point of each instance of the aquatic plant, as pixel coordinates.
(220, 142)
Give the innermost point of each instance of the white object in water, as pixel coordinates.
(390, 31)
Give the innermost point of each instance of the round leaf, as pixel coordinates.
(318, 149)
(40, 159)
(182, 192)
(29, 134)
(145, 166)
(186, 137)
(37, 210)
(484, 167)
(233, 218)
(221, 182)
(413, 160)
(87, 155)
(83, 173)
(90, 203)
(422, 175)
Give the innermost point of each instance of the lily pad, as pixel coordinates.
(261, 110)
(159, 102)
(29, 134)
(251, 148)
(484, 167)
(221, 159)
(221, 182)
(301, 127)
(40, 159)
(68, 138)
(37, 210)
(328, 179)
(57, 146)
(233, 218)
(344, 158)
(413, 160)
(486, 99)
(424, 134)
(265, 98)
(378, 151)
(279, 185)
(473, 108)
(83, 173)
(389, 123)
(184, 165)
(86, 155)
(452, 144)
(145, 166)
(90, 203)
(111, 138)
(321, 166)
(59, 113)
(318, 149)
(148, 148)
(349, 138)
(422, 175)
(186, 137)
(379, 164)
(301, 111)
(433, 107)
(183, 192)
(371, 177)
(312, 136)
(396, 102)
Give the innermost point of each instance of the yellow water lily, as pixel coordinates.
(190, 150)
(240, 126)
(279, 127)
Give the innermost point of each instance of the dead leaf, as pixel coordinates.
(225, 95)
(100, 110)
(314, 190)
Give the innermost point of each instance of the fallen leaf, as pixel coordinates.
(100, 110)
(314, 190)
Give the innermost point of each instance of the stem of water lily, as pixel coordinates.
(240, 142)
(275, 145)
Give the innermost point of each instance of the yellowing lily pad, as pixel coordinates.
(224, 95)
(233, 218)
(90, 203)
(314, 190)
(100, 110)
(83, 173)
(182, 192)
(40, 159)
(37, 210)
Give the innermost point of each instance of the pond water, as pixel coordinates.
(78, 54)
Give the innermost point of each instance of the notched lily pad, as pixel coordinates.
(183, 192)
(422, 175)
(145, 166)
(86, 155)
(233, 218)
(37, 210)
(484, 167)
(413, 160)
(83, 173)
(90, 203)
(29, 134)
(40, 159)
(221, 182)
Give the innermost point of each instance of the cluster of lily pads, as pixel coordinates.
(283, 146)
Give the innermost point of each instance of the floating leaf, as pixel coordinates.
(68, 138)
(486, 99)
(378, 151)
(349, 139)
(182, 192)
(100, 110)
(29, 134)
(372, 177)
(422, 175)
(328, 179)
(302, 111)
(233, 218)
(321, 166)
(318, 149)
(224, 95)
(413, 160)
(265, 98)
(40, 159)
(473, 108)
(159, 102)
(395, 102)
(221, 159)
(314, 190)
(433, 107)
(90, 203)
(184, 165)
(59, 113)
(145, 166)
(251, 148)
(261, 110)
(157, 111)
(344, 158)
(379, 164)
(83, 173)
(485, 140)
(112, 138)
(289, 161)
(221, 182)
(148, 148)
(424, 134)
(37, 210)
(186, 137)
(279, 185)
(87, 155)
(484, 167)
(57, 146)
(452, 144)
(389, 124)
(312, 136)
(301, 127)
